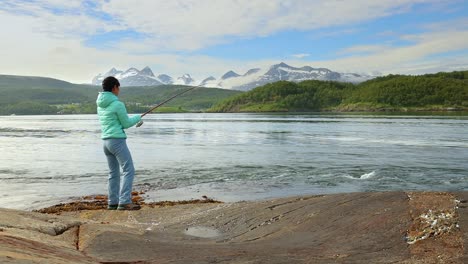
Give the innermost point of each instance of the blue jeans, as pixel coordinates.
(118, 155)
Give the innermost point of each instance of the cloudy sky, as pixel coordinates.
(74, 40)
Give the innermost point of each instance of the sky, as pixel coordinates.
(75, 40)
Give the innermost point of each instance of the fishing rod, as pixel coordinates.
(160, 104)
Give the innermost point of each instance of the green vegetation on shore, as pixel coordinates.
(22, 95)
(430, 92)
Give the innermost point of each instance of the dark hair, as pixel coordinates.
(109, 82)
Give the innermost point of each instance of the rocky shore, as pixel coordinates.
(371, 227)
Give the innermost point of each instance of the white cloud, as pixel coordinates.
(364, 49)
(61, 3)
(55, 18)
(37, 41)
(453, 24)
(334, 33)
(192, 24)
(398, 59)
(25, 51)
(301, 55)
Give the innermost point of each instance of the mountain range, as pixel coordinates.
(232, 80)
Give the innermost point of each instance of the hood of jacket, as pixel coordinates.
(105, 99)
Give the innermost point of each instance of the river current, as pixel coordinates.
(231, 157)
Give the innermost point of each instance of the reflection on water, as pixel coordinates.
(231, 157)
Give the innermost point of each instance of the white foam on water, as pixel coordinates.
(342, 138)
(349, 177)
(282, 175)
(367, 175)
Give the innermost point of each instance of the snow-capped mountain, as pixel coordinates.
(252, 71)
(185, 79)
(229, 74)
(166, 79)
(232, 80)
(147, 71)
(278, 72)
(130, 77)
(208, 81)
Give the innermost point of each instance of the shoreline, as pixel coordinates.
(348, 108)
(384, 227)
(345, 110)
(99, 202)
(150, 196)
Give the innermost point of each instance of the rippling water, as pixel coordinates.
(232, 157)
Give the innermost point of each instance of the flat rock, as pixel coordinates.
(371, 227)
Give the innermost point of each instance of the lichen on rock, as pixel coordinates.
(432, 224)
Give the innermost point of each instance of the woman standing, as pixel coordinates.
(114, 119)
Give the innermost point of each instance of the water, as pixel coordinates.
(49, 159)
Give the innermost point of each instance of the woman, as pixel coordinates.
(114, 119)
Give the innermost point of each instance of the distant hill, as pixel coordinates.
(39, 95)
(441, 91)
(14, 82)
(446, 90)
(16, 89)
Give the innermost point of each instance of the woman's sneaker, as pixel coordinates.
(112, 206)
(129, 207)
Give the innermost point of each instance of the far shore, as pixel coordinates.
(379, 111)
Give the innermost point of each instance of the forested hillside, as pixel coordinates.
(434, 92)
(38, 95)
(442, 91)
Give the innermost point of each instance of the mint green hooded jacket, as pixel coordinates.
(113, 116)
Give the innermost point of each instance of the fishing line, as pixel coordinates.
(160, 104)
